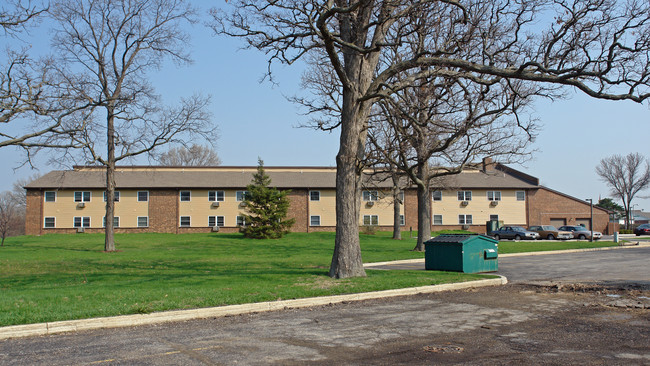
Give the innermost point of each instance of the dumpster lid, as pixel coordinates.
(455, 238)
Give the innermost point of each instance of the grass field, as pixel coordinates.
(60, 277)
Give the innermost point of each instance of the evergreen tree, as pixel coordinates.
(267, 207)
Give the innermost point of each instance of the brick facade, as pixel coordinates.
(34, 213)
(545, 204)
(163, 211)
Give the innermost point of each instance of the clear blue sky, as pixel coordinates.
(255, 119)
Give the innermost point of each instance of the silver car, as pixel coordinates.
(581, 232)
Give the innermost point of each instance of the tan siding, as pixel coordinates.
(325, 208)
(509, 209)
(383, 208)
(199, 208)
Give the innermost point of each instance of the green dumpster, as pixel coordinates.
(461, 253)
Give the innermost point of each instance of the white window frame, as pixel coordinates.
(494, 195)
(142, 217)
(436, 196)
(219, 221)
(189, 196)
(116, 198)
(114, 223)
(83, 196)
(497, 218)
(189, 223)
(371, 196)
(82, 220)
(368, 220)
(240, 220)
(462, 220)
(241, 195)
(139, 200)
(311, 220)
(434, 221)
(400, 196)
(218, 196)
(45, 222)
(523, 195)
(402, 220)
(45, 196)
(311, 196)
(464, 195)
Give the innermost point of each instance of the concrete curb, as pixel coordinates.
(41, 329)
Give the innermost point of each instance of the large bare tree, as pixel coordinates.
(33, 106)
(194, 155)
(626, 176)
(599, 47)
(107, 49)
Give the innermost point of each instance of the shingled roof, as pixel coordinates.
(240, 177)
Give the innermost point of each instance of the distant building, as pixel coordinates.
(199, 199)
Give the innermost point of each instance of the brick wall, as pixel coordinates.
(163, 211)
(545, 204)
(298, 203)
(410, 210)
(34, 212)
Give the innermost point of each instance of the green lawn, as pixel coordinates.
(59, 277)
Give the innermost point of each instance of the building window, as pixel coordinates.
(465, 219)
(215, 196)
(186, 196)
(82, 196)
(400, 196)
(143, 221)
(185, 221)
(402, 222)
(50, 196)
(521, 195)
(241, 195)
(82, 221)
(464, 195)
(216, 221)
(494, 217)
(116, 221)
(314, 195)
(370, 195)
(370, 220)
(143, 196)
(314, 220)
(50, 222)
(436, 195)
(494, 195)
(115, 199)
(241, 221)
(437, 219)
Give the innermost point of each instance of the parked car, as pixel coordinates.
(581, 232)
(513, 232)
(550, 232)
(642, 230)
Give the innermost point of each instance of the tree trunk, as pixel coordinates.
(346, 261)
(109, 241)
(397, 233)
(424, 207)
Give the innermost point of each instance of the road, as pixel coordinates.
(534, 320)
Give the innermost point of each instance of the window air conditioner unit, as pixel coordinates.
(465, 227)
(80, 230)
(494, 203)
(370, 203)
(464, 203)
(242, 204)
(215, 204)
(81, 205)
(215, 229)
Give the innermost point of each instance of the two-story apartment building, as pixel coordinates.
(202, 199)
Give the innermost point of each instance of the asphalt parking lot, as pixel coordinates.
(579, 308)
